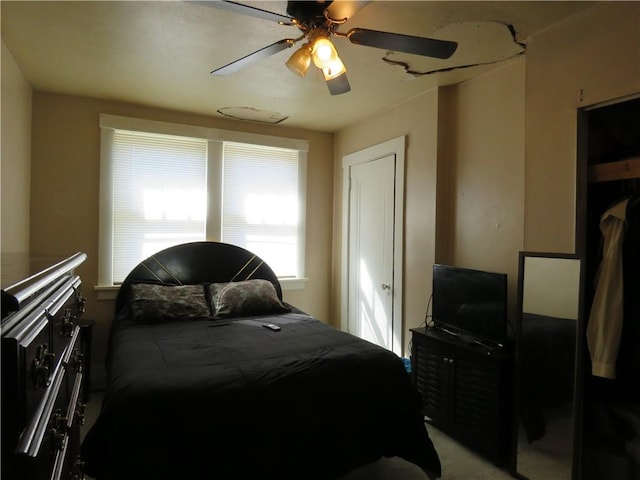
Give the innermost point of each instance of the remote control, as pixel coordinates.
(271, 326)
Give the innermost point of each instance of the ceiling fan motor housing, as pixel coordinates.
(308, 14)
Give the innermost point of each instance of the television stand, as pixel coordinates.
(446, 330)
(466, 388)
(465, 338)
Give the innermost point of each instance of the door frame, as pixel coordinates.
(395, 147)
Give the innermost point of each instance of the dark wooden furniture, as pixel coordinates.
(42, 368)
(86, 338)
(466, 389)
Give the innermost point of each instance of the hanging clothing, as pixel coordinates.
(607, 311)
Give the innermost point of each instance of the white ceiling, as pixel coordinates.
(161, 53)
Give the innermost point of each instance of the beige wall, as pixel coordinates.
(593, 57)
(501, 152)
(417, 120)
(15, 156)
(65, 179)
(485, 168)
(464, 179)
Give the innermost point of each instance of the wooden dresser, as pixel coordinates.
(42, 367)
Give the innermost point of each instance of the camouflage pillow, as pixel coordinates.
(152, 303)
(214, 292)
(250, 297)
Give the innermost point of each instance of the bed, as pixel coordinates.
(198, 388)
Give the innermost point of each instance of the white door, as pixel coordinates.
(371, 237)
(372, 243)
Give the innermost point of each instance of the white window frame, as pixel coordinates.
(216, 138)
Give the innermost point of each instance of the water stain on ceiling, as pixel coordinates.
(492, 42)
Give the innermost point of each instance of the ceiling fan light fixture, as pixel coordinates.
(317, 23)
(323, 52)
(300, 61)
(334, 69)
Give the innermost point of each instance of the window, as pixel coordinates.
(165, 184)
(159, 195)
(260, 208)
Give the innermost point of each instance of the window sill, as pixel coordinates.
(106, 292)
(293, 283)
(110, 292)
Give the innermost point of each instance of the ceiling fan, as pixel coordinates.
(318, 21)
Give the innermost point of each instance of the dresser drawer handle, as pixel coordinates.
(80, 302)
(57, 439)
(80, 413)
(58, 430)
(77, 470)
(77, 360)
(41, 366)
(68, 323)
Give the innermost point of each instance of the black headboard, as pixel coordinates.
(198, 262)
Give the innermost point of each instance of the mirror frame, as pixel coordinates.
(576, 471)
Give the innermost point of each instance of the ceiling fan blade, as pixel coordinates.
(338, 85)
(428, 47)
(255, 56)
(345, 9)
(247, 10)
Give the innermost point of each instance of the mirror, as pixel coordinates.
(546, 338)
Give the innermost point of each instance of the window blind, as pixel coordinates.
(159, 195)
(261, 203)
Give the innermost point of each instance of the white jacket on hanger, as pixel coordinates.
(607, 311)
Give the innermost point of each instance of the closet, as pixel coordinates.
(608, 210)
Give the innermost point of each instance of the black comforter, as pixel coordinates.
(232, 399)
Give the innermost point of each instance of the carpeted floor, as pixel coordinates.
(458, 463)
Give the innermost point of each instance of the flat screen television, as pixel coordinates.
(471, 302)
